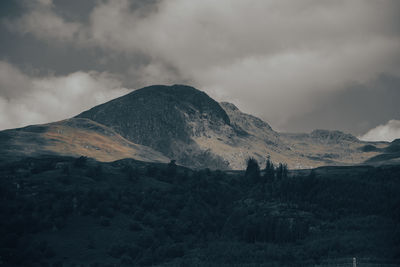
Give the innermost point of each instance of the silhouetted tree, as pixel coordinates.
(252, 170)
(284, 171)
(269, 173)
(279, 171)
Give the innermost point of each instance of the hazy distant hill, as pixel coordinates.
(390, 154)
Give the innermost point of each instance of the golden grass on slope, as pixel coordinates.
(78, 141)
(80, 137)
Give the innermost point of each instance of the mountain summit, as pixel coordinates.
(165, 118)
(186, 124)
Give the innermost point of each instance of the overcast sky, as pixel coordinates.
(299, 65)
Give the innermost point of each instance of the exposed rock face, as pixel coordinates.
(166, 118)
(320, 147)
(187, 125)
(327, 136)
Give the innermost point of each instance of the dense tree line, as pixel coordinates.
(171, 213)
(271, 173)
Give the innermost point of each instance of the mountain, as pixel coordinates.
(159, 123)
(167, 119)
(73, 137)
(60, 209)
(186, 124)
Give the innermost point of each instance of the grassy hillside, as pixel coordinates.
(73, 137)
(65, 211)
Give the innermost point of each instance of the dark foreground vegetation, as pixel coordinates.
(60, 211)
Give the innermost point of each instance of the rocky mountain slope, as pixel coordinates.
(186, 124)
(167, 119)
(73, 137)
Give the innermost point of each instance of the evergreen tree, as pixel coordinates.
(279, 171)
(252, 170)
(284, 171)
(269, 173)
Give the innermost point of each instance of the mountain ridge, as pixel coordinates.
(183, 123)
(189, 126)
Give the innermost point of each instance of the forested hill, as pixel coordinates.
(64, 211)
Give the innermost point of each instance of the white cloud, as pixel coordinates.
(51, 98)
(387, 132)
(42, 22)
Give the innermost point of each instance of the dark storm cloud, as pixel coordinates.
(357, 108)
(277, 59)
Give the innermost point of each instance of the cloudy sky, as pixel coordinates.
(299, 65)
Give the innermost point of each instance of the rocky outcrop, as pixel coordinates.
(187, 125)
(167, 119)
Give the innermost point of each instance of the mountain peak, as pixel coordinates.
(164, 118)
(178, 94)
(178, 90)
